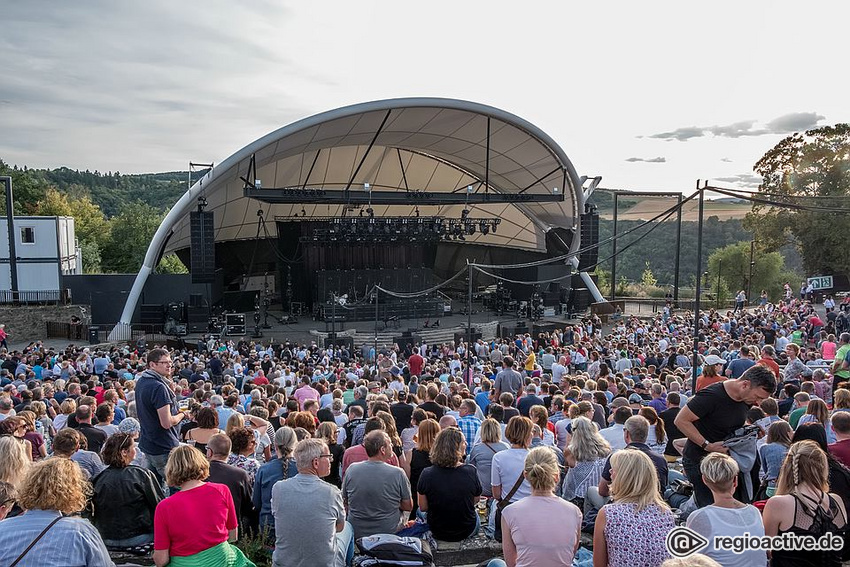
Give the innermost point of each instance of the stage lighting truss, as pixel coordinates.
(397, 229)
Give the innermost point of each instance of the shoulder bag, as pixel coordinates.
(502, 504)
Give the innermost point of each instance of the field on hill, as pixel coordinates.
(648, 208)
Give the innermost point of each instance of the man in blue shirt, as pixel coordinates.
(738, 366)
(159, 415)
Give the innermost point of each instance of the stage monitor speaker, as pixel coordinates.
(176, 311)
(152, 314)
(589, 236)
(202, 246)
(404, 341)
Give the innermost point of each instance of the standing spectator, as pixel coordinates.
(305, 392)
(712, 414)
(804, 505)
(310, 526)
(541, 529)
(52, 493)
(3, 335)
(375, 493)
(449, 489)
(632, 529)
(668, 416)
(157, 410)
(196, 525)
(125, 496)
(727, 516)
(507, 380)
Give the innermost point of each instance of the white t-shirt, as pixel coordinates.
(715, 521)
(507, 467)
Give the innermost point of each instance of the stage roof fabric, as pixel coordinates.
(414, 145)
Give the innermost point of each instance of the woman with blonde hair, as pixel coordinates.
(194, 527)
(817, 412)
(804, 506)
(448, 490)
(541, 529)
(327, 431)
(14, 464)
(481, 455)
(67, 407)
(52, 495)
(841, 400)
(726, 516)
(585, 458)
(632, 529)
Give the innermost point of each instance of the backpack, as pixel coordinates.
(392, 550)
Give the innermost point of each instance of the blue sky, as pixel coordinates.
(649, 95)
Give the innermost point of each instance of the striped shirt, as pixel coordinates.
(71, 542)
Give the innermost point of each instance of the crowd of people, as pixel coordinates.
(604, 430)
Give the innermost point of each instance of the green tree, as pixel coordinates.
(733, 264)
(27, 189)
(171, 264)
(130, 232)
(814, 164)
(647, 279)
(90, 226)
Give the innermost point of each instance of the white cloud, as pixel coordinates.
(648, 160)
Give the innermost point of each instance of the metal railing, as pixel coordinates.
(94, 334)
(34, 297)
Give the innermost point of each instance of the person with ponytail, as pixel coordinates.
(541, 529)
(804, 506)
(279, 468)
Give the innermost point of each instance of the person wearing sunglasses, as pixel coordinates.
(125, 497)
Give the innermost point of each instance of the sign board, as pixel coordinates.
(820, 282)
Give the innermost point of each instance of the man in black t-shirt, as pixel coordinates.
(668, 416)
(712, 414)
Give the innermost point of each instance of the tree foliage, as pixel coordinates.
(733, 265)
(130, 234)
(815, 165)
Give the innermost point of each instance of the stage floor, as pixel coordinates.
(306, 329)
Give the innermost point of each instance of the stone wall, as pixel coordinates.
(27, 323)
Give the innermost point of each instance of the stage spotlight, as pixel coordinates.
(371, 212)
(367, 187)
(484, 227)
(464, 213)
(555, 190)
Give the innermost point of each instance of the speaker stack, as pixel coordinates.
(152, 314)
(589, 236)
(235, 324)
(202, 246)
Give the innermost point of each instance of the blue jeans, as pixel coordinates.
(345, 546)
(156, 463)
(130, 541)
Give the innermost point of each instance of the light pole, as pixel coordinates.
(695, 362)
(717, 299)
(750, 277)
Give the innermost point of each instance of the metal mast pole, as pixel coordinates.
(695, 362)
(10, 225)
(614, 251)
(678, 252)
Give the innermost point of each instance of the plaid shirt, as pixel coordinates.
(469, 425)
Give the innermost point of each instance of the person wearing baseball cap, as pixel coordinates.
(712, 372)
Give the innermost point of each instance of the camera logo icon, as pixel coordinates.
(682, 542)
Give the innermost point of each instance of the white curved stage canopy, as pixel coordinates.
(411, 151)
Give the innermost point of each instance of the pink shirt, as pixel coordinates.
(305, 393)
(194, 520)
(544, 530)
(827, 349)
